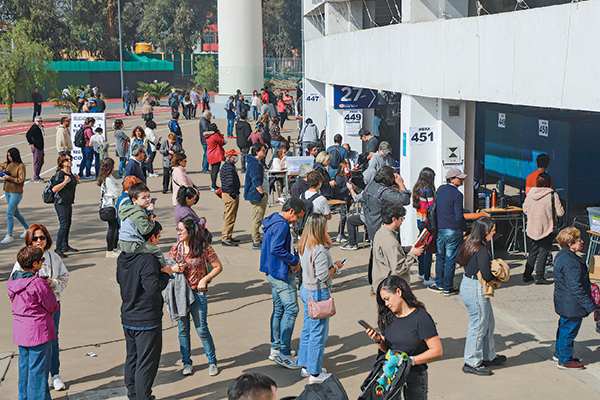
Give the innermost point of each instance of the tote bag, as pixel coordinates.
(319, 309)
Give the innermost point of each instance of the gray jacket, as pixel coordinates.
(375, 195)
(178, 297)
(309, 133)
(375, 163)
(164, 150)
(203, 126)
(121, 140)
(322, 262)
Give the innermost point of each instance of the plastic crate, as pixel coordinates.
(594, 214)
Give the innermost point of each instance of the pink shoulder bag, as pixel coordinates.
(319, 309)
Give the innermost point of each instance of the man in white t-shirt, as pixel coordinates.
(314, 180)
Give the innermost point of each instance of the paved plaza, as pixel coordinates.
(240, 306)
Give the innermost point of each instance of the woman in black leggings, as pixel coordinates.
(63, 187)
(111, 189)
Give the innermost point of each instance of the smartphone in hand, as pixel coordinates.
(365, 325)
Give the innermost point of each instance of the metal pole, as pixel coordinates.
(120, 47)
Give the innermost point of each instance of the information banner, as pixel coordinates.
(352, 122)
(77, 121)
(353, 97)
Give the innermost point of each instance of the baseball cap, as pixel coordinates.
(455, 173)
(231, 152)
(384, 147)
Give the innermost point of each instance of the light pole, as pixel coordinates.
(120, 46)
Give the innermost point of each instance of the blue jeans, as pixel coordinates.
(97, 163)
(448, 244)
(285, 311)
(13, 200)
(54, 360)
(87, 155)
(314, 333)
(230, 123)
(568, 328)
(122, 163)
(34, 365)
(254, 112)
(127, 105)
(205, 164)
(199, 313)
(479, 345)
(424, 259)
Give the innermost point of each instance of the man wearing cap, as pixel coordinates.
(451, 224)
(379, 159)
(230, 185)
(36, 138)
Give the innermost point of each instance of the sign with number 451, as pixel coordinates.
(422, 135)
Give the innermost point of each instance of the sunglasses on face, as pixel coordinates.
(36, 238)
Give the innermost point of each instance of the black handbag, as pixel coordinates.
(559, 222)
(108, 214)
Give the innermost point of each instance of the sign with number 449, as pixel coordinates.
(422, 135)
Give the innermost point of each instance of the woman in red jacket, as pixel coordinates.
(214, 153)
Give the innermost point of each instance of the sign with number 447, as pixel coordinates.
(422, 135)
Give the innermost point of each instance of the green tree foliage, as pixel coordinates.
(23, 64)
(176, 24)
(207, 73)
(157, 90)
(46, 23)
(69, 102)
(282, 27)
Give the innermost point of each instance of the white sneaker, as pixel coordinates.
(275, 353)
(187, 370)
(305, 374)
(420, 277)
(429, 282)
(213, 370)
(112, 254)
(7, 239)
(152, 175)
(57, 383)
(287, 361)
(318, 379)
(23, 234)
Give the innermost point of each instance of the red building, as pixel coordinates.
(210, 39)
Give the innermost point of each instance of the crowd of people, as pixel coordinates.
(294, 246)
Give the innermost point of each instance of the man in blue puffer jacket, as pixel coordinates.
(280, 265)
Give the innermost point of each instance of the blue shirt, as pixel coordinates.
(230, 112)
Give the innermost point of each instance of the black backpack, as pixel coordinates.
(431, 218)
(80, 138)
(330, 389)
(298, 227)
(48, 195)
(336, 157)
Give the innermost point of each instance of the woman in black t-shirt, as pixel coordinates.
(475, 257)
(406, 327)
(63, 186)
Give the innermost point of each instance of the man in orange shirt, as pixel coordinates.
(542, 161)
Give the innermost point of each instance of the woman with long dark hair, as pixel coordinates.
(56, 274)
(63, 187)
(317, 269)
(13, 172)
(423, 195)
(480, 350)
(111, 189)
(538, 206)
(407, 327)
(194, 256)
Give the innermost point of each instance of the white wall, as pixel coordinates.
(545, 57)
(240, 46)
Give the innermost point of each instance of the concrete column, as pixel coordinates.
(240, 46)
(450, 133)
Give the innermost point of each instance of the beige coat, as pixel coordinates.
(501, 271)
(538, 208)
(389, 258)
(63, 139)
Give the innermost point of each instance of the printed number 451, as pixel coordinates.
(422, 137)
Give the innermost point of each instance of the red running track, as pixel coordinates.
(22, 128)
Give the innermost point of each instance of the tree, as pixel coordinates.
(68, 101)
(176, 24)
(23, 64)
(157, 90)
(282, 31)
(207, 73)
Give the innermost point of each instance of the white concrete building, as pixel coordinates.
(445, 60)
